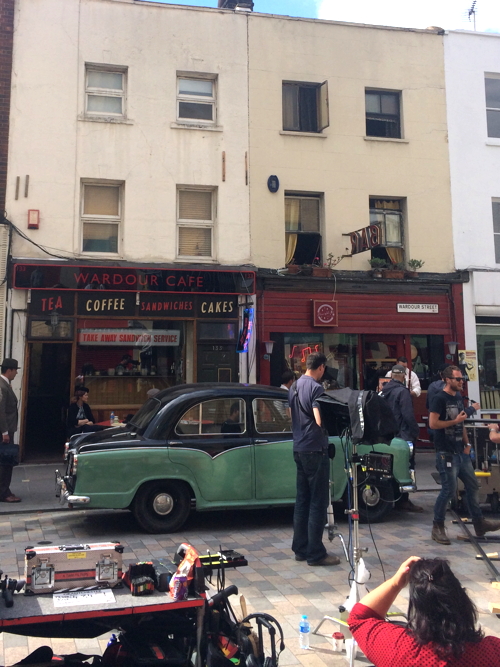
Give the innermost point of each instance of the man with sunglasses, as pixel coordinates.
(446, 418)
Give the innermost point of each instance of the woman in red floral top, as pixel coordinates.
(441, 629)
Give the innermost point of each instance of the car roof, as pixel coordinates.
(219, 389)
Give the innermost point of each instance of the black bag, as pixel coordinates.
(9, 454)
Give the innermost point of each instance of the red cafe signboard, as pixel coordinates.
(365, 239)
(325, 313)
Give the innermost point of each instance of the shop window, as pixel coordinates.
(271, 416)
(488, 356)
(427, 354)
(217, 417)
(496, 228)
(383, 114)
(302, 228)
(196, 99)
(492, 86)
(105, 90)
(341, 351)
(388, 213)
(195, 223)
(101, 217)
(305, 106)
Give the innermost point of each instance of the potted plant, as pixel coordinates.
(395, 271)
(321, 271)
(293, 268)
(377, 265)
(414, 265)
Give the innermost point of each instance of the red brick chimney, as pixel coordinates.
(6, 43)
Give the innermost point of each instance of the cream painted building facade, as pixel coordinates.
(341, 164)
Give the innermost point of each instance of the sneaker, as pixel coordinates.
(329, 559)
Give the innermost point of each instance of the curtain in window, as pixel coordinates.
(395, 255)
(101, 200)
(291, 244)
(291, 107)
(195, 241)
(195, 205)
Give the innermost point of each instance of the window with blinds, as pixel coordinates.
(105, 90)
(195, 221)
(101, 217)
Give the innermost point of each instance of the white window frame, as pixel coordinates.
(495, 203)
(208, 224)
(106, 92)
(184, 97)
(102, 219)
(491, 75)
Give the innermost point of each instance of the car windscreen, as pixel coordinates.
(142, 418)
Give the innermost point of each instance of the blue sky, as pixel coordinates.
(449, 14)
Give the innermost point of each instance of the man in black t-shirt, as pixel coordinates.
(310, 453)
(446, 418)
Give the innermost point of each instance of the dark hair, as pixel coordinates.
(440, 611)
(235, 407)
(80, 393)
(447, 373)
(315, 360)
(81, 387)
(403, 359)
(287, 376)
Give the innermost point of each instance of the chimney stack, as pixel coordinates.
(242, 5)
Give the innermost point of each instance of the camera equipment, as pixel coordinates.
(8, 587)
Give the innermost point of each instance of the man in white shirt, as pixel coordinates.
(287, 379)
(411, 379)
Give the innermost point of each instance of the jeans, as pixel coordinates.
(461, 466)
(309, 518)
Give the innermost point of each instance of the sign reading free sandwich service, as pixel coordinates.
(139, 337)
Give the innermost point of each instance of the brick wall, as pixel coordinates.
(6, 42)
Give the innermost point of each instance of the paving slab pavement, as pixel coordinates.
(273, 582)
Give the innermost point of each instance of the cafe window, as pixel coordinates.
(427, 354)
(216, 417)
(341, 352)
(121, 360)
(51, 328)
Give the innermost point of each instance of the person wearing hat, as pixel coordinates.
(400, 401)
(8, 424)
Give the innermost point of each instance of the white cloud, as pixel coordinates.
(449, 14)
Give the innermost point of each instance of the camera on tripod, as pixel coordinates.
(10, 586)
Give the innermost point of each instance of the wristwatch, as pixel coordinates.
(495, 430)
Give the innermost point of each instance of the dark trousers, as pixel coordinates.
(450, 467)
(311, 504)
(6, 476)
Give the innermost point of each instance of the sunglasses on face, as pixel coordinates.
(459, 379)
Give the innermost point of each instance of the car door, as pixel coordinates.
(275, 470)
(211, 442)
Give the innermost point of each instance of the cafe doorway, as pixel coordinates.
(48, 395)
(380, 353)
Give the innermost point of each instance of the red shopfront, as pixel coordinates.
(361, 333)
(120, 331)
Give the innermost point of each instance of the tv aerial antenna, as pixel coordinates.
(471, 12)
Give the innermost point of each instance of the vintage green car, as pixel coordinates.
(208, 447)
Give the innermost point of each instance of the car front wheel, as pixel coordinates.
(162, 507)
(375, 501)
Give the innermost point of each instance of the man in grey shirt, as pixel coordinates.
(310, 452)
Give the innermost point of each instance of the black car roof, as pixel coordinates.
(219, 389)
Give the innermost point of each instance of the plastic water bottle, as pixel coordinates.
(112, 640)
(111, 418)
(304, 632)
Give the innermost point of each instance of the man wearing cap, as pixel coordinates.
(8, 424)
(411, 380)
(399, 399)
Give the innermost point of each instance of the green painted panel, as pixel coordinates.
(275, 471)
(227, 476)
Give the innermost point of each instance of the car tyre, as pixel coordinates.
(375, 501)
(163, 506)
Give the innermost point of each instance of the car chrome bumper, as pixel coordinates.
(78, 500)
(408, 488)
